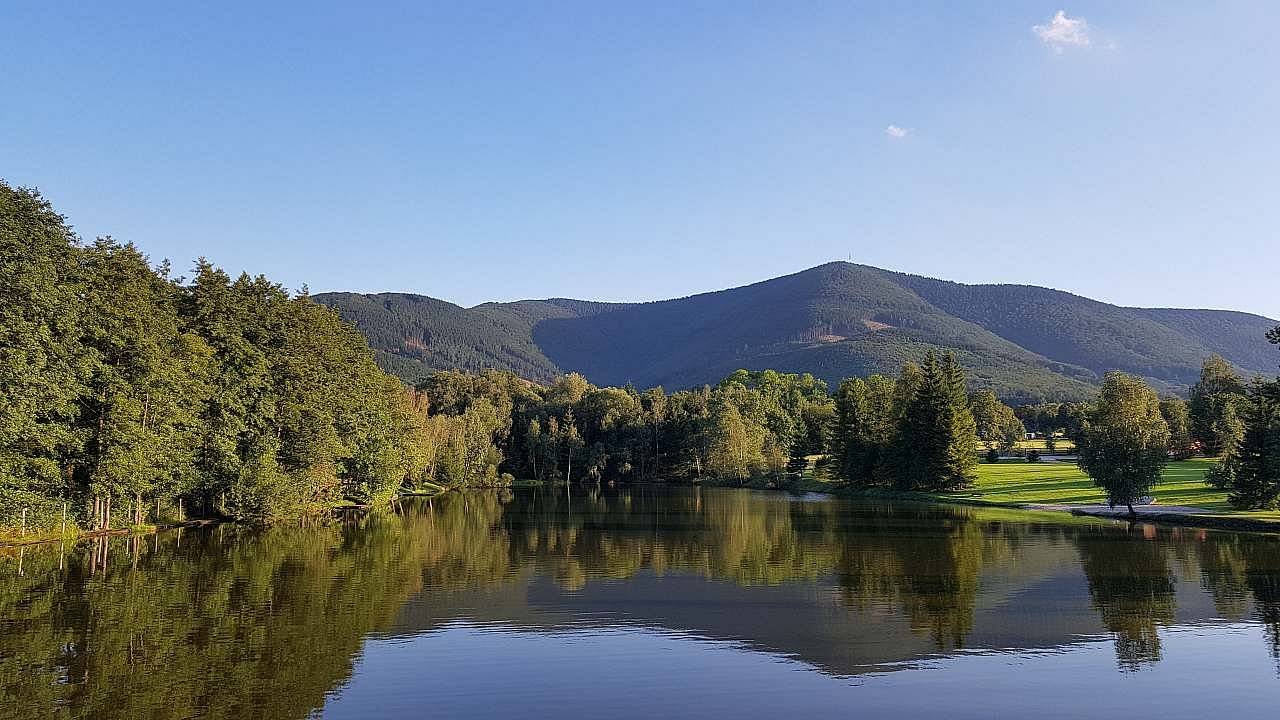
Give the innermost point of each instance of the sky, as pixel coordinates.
(634, 151)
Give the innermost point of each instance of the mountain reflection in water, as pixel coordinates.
(645, 601)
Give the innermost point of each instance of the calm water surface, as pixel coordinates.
(644, 603)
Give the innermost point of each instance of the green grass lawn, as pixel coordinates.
(1049, 482)
(1017, 482)
(1063, 482)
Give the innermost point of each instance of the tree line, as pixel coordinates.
(128, 394)
(920, 431)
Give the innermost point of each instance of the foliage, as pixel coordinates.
(126, 389)
(936, 443)
(1250, 471)
(915, 433)
(1124, 446)
(998, 427)
(43, 366)
(1177, 415)
(867, 417)
(572, 431)
(1213, 406)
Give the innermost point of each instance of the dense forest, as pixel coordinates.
(1027, 344)
(128, 394)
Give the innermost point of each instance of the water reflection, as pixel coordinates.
(1133, 588)
(229, 622)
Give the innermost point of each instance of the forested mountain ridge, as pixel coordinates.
(836, 320)
(1166, 345)
(414, 335)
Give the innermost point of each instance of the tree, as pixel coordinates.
(864, 428)
(779, 464)
(570, 442)
(998, 428)
(1251, 468)
(937, 440)
(1124, 444)
(146, 386)
(1040, 418)
(1213, 399)
(654, 403)
(1071, 418)
(735, 448)
(1176, 413)
(42, 364)
(816, 419)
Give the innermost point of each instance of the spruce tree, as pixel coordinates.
(1250, 471)
(938, 441)
(961, 430)
(796, 465)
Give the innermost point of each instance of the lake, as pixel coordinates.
(647, 602)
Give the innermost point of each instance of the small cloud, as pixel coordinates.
(1063, 32)
(895, 132)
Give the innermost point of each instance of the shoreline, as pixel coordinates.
(1206, 519)
(79, 535)
(1153, 514)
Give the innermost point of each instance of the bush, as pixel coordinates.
(1033, 455)
(993, 455)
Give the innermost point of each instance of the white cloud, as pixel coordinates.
(895, 132)
(1063, 32)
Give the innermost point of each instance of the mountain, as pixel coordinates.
(836, 320)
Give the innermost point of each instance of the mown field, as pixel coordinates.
(1063, 482)
(1016, 482)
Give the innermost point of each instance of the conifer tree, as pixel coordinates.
(937, 443)
(1250, 471)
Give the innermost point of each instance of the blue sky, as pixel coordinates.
(630, 151)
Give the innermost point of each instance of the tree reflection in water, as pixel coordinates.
(232, 622)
